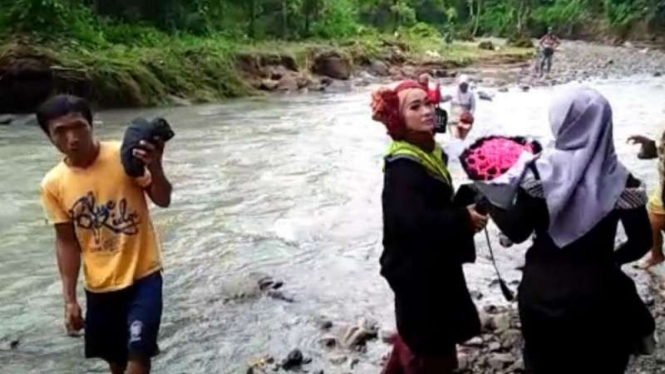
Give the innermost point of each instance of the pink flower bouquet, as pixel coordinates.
(498, 164)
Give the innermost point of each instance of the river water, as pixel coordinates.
(286, 186)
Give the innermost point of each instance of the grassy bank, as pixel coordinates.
(119, 75)
(144, 52)
(156, 68)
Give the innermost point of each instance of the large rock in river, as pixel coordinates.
(332, 64)
(268, 85)
(380, 68)
(288, 83)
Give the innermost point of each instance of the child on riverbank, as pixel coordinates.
(101, 218)
(650, 150)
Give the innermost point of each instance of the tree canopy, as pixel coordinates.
(297, 19)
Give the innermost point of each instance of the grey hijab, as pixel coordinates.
(582, 177)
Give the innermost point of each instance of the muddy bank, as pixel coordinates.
(182, 74)
(334, 71)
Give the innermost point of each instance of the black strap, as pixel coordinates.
(507, 293)
(440, 120)
(534, 170)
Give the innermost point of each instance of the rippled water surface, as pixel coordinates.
(285, 186)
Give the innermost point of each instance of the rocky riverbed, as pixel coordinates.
(498, 350)
(574, 61)
(581, 61)
(655, 363)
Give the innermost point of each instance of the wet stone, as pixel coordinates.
(293, 360)
(328, 341)
(499, 361)
(474, 342)
(338, 360)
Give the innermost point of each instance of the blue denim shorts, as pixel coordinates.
(124, 325)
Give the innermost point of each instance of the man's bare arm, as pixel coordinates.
(68, 253)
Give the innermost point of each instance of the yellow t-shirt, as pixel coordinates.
(111, 218)
(656, 200)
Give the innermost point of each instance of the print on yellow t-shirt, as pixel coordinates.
(111, 218)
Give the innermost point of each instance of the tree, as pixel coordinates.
(311, 9)
(475, 9)
(403, 13)
(522, 15)
(325, 18)
(251, 14)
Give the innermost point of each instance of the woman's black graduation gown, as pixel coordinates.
(426, 240)
(580, 313)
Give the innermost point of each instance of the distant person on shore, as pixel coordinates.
(580, 313)
(101, 219)
(651, 150)
(424, 79)
(435, 98)
(462, 107)
(426, 238)
(433, 88)
(548, 44)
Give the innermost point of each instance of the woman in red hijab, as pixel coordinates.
(427, 238)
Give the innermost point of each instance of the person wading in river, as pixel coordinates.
(426, 239)
(101, 218)
(580, 313)
(651, 150)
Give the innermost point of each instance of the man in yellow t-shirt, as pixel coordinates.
(101, 219)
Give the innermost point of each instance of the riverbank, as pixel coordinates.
(497, 350)
(164, 70)
(579, 61)
(575, 61)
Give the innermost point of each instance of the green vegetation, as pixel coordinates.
(138, 52)
(135, 22)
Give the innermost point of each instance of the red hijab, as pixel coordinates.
(388, 109)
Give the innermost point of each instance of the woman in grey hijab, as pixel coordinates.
(580, 313)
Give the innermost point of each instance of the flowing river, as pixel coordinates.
(286, 186)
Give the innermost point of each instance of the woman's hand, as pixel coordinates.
(478, 221)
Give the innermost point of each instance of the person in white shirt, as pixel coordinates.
(462, 106)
